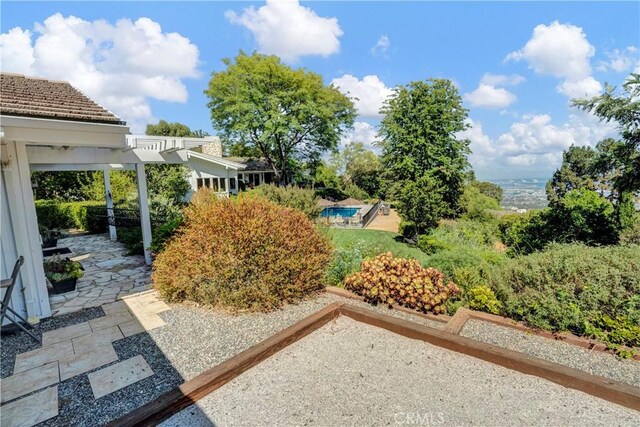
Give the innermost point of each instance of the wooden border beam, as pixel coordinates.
(193, 390)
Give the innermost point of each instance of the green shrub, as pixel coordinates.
(131, 238)
(477, 205)
(461, 257)
(86, 215)
(407, 229)
(585, 216)
(292, 197)
(346, 260)
(482, 298)
(615, 332)
(569, 285)
(631, 234)
(526, 233)
(388, 280)
(242, 254)
(163, 233)
(430, 244)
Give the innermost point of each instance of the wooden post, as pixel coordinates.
(143, 203)
(107, 194)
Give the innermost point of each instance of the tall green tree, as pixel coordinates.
(623, 156)
(287, 115)
(420, 143)
(576, 172)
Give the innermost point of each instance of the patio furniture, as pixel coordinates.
(9, 285)
(385, 210)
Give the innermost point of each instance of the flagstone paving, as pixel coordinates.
(70, 351)
(109, 274)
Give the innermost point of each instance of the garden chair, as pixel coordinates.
(9, 284)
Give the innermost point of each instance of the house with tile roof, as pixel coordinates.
(49, 125)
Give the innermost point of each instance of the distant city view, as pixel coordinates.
(523, 193)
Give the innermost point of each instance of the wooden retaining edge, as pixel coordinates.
(193, 390)
(603, 388)
(442, 318)
(456, 323)
(461, 317)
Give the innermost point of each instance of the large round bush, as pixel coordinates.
(242, 254)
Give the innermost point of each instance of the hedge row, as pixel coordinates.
(86, 215)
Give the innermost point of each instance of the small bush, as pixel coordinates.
(131, 238)
(431, 244)
(631, 235)
(163, 233)
(388, 280)
(407, 229)
(291, 197)
(482, 298)
(347, 260)
(242, 254)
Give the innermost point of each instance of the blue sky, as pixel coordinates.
(516, 64)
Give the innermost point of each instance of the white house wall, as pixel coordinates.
(23, 238)
(9, 251)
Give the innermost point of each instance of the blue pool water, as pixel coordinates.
(341, 211)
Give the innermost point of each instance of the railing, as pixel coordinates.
(369, 216)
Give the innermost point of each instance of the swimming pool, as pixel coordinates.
(338, 211)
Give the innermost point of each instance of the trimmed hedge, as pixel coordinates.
(85, 215)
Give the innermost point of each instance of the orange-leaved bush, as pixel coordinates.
(242, 254)
(388, 280)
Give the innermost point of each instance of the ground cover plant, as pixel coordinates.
(389, 280)
(593, 291)
(242, 254)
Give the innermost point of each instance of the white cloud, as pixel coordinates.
(368, 94)
(362, 132)
(483, 152)
(381, 46)
(501, 79)
(122, 66)
(289, 30)
(561, 50)
(583, 88)
(533, 144)
(620, 61)
(488, 95)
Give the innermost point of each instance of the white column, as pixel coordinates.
(25, 223)
(226, 182)
(107, 194)
(143, 202)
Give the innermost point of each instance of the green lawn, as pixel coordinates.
(384, 241)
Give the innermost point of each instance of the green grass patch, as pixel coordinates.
(382, 241)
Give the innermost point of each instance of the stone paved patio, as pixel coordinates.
(109, 273)
(30, 394)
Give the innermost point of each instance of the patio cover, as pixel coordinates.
(324, 203)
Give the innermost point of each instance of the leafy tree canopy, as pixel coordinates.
(624, 155)
(576, 172)
(285, 114)
(419, 140)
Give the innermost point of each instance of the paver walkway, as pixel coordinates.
(108, 273)
(30, 395)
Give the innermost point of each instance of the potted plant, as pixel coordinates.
(49, 237)
(63, 274)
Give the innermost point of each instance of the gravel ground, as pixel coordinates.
(196, 339)
(349, 373)
(593, 362)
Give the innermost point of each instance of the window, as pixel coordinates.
(232, 183)
(207, 182)
(214, 184)
(223, 184)
(268, 177)
(199, 183)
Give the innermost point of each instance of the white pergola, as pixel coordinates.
(37, 144)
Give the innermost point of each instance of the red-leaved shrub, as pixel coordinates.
(242, 254)
(388, 280)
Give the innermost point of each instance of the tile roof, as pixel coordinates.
(252, 164)
(35, 97)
